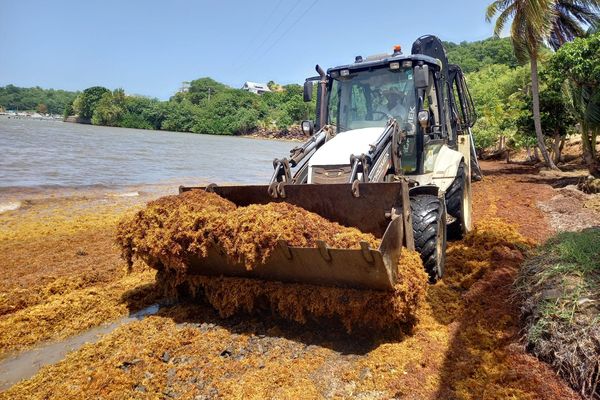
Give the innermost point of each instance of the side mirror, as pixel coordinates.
(423, 117)
(308, 89)
(421, 76)
(307, 127)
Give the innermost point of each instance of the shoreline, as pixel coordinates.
(294, 134)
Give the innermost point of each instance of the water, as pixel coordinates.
(26, 364)
(51, 153)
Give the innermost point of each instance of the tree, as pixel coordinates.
(533, 22)
(68, 110)
(110, 109)
(203, 89)
(86, 102)
(574, 68)
(557, 119)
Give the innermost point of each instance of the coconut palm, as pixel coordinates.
(535, 22)
(571, 19)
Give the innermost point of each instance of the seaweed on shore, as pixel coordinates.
(356, 309)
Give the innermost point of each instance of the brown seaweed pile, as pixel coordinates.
(251, 233)
(172, 228)
(173, 225)
(355, 309)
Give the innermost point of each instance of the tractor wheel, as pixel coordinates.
(458, 205)
(429, 228)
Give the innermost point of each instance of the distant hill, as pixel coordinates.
(472, 56)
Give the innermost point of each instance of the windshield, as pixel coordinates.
(369, 98)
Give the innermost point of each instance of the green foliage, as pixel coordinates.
(576, 69)
(231, 111)
(16, 98)
(474, 56)
(180, 116)
(109, 109)
(578, 63)
(203, 88)
(137, 121)
(496, 91)
(68, 110)
(556, 116)
(208, 107)
(85, 104)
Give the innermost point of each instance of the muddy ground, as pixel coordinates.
(60, 275)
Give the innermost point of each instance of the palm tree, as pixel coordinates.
(571, 19)
(535, 22)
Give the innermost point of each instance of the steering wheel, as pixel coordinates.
(384, 115)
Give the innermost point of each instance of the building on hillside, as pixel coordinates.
(258, 88)
(185, 87)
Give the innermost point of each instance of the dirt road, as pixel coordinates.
(465, 346)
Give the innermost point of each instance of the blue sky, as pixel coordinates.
(149, 47)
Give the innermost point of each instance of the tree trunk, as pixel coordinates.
(556, 148)
(561, 147)
(537, 120)
(536, 154)
(588, 143)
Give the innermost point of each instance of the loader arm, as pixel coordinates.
(298, 157)
(383, 155)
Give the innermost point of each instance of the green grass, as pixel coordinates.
(568, 266)
(575, 252)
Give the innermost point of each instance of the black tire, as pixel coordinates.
(429, 228)
(455, 204)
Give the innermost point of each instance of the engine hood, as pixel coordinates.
(337, 151)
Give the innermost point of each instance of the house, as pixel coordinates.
(258, 88)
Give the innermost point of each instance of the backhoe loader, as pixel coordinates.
(390, 153)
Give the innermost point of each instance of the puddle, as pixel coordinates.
(10, 206)
(24, 365)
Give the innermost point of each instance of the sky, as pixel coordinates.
(150, 47)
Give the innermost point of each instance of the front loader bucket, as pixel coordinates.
(373, 211)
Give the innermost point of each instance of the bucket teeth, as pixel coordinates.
(285, 249)
(366, 252)
(324, 250)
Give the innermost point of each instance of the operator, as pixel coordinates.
(394, 107)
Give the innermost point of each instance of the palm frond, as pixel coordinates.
(495, 7)
(571, 17)
(564, 29)
(503, 18)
